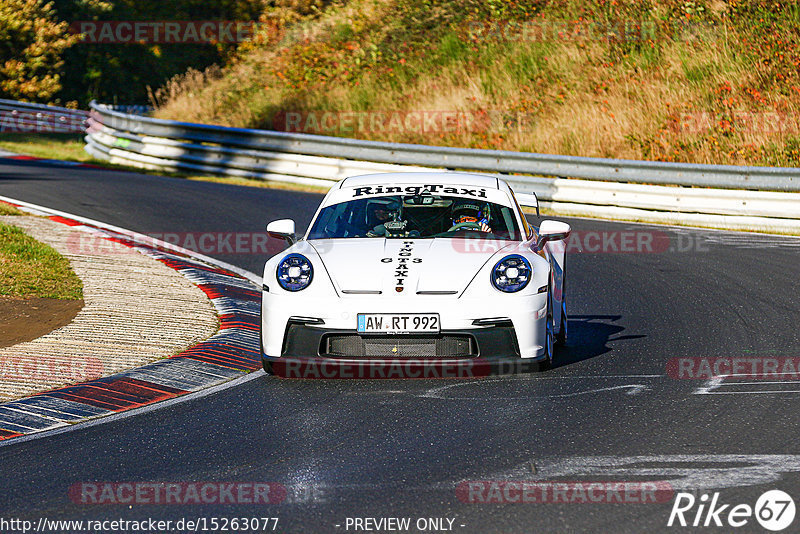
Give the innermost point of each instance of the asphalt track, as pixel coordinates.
(400, 448)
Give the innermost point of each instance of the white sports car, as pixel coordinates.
(428, 267)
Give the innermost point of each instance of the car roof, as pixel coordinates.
(444, 177)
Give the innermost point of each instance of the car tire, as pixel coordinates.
(544, 365)
(549, 344)
(264, 363)
(561, 337)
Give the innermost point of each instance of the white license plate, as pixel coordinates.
(394, 323)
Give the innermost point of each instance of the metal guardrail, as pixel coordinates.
(751, 198)
(24, 117)
(496, 161)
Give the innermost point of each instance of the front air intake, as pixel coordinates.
(442, 346)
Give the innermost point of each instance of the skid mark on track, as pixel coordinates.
(681, 471)
(744, 240)
(456, 391)
(438, 393)
(739, 385)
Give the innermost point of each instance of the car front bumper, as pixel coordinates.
(304, 340)
(474, 333)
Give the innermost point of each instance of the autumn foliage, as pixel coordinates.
(31, 44)
(711, 81)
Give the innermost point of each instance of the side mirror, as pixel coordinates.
(552, 231)
(282, 229)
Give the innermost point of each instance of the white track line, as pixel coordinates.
(140, 237)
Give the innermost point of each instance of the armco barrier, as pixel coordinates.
(748, 198)
(723, 196)
(23, 117)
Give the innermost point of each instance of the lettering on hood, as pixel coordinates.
(401, 273)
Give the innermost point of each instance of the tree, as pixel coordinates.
(121, 73)
(32, 40)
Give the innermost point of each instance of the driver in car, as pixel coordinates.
(469, 216)
(379, 212)
(386, 213)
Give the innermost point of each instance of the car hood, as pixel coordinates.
(434, 266)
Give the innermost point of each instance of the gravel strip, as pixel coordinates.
(137, 310)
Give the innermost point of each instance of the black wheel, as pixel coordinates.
(561, 338)
(549, 345)
(264, 363)
(544, 365)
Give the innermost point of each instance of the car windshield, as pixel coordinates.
(416, 216)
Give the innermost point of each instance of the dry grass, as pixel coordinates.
(575, 97)
(8, 209)
(189, 87)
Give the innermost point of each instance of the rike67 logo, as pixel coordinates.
(774, 511)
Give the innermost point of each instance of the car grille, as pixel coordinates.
(442, 346)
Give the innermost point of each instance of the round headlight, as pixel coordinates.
(511, 274)
(295, 272)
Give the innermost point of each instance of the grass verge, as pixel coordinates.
(29, 268)
(8, 209)
(68, 147)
